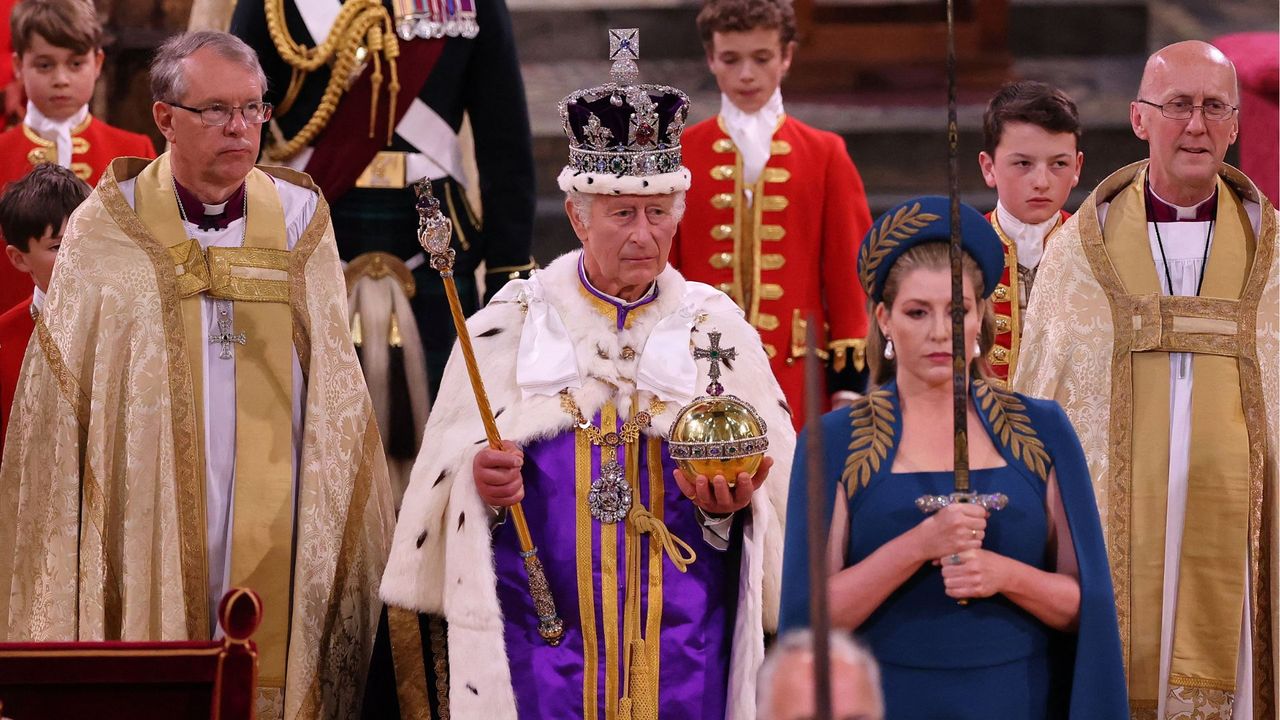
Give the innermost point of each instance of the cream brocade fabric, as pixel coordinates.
(1068, 356)
(127, 559)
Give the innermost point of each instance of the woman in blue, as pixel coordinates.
(1037, 637)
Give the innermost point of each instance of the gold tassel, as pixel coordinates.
(357, 330)
(376, 80)
(393, 335)
(391, 49)
(641, 702)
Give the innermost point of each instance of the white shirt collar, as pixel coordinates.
(56, 131)
(1029, 239)
(768, 115)
(752, 133)
(37, 299)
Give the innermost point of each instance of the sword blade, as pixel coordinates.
(959, 353)
(819, 620)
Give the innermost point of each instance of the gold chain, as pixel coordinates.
(628, 433)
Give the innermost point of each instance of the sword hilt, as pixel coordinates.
(990, 501)
(933, 503)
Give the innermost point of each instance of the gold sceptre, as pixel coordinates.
(435, 233)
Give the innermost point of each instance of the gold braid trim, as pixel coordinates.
(1009, 421)
(872, 419)
(360, 25)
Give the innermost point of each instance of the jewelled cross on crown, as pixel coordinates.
(226, 333)
(716, 355)
(624, 50)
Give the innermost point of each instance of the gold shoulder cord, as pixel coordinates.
(361, 25)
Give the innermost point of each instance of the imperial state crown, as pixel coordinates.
(624, 137)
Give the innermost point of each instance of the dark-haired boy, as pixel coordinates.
(33, 214)
(1031, 156)
(57, 55)
(777, 209)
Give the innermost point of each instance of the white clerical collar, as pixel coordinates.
(37, 299)
(1028, 238)
(752, 133)
(56, 131)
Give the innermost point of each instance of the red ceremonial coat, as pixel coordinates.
(1002, 360)
(94, 144)
(789, 256)
(16, 326)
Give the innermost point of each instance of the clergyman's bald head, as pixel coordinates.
(1171, 61)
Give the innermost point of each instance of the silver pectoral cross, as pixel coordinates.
(226, 333)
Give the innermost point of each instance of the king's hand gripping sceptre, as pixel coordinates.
(435, 233)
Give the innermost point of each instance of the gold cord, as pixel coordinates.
(360, 23)
(679, 551)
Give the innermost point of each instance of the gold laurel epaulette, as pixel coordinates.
(872, 419)
(1009, 422)
(882, 240)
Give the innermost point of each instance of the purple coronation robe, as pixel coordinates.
(586, 567)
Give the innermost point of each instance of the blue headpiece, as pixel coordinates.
(921, 220)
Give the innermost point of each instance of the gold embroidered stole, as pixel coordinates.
(1211, 583)
(257, 276)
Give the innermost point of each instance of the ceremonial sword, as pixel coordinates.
(819, 616)
(435, 232)
(963, 492)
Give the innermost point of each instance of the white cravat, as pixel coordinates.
(56, 131)
(1027, 238)
(752, 132)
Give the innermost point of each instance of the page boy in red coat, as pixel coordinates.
(1031, 156)
(777, 209)
(33, 214)
(57, 54)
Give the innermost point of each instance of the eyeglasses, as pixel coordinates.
(1183, 109)
(217, 114)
